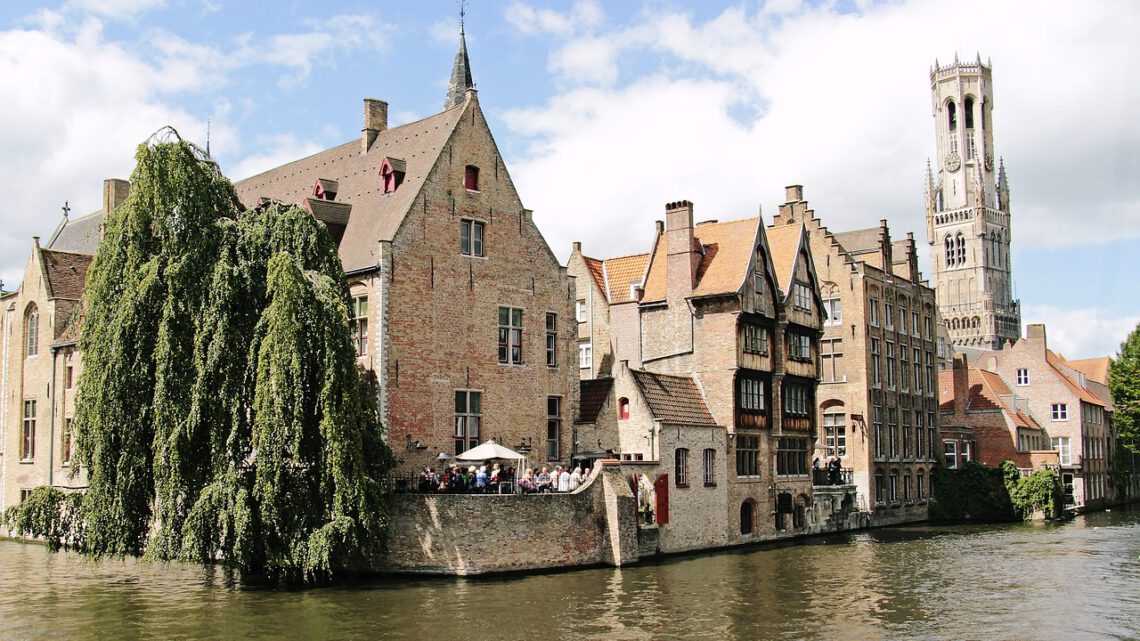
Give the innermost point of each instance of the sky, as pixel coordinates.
(605, 111)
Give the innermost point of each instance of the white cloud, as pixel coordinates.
(585, 14)
(1082, 333)
(114, 9)
(735, 107)
(273, 151)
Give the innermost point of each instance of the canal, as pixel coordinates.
(1079, 580)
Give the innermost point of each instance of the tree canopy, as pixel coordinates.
(220, 414)
(1124, 384)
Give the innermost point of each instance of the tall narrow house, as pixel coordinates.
(967, 211)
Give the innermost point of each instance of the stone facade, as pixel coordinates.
(877, 401)
(967, 211)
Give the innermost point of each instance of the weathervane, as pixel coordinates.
(66, 209)
(462, 11)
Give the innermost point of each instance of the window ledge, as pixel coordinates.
(748, 479)
(710, 484)
(473, 192)
(683, 485)
(480, 256)
(27, 461)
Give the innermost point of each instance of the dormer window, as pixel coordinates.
(325, 189)
(392, 172)
(471, 178)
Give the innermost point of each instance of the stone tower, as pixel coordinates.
(967, 211)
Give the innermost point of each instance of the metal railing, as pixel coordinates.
(825, 476)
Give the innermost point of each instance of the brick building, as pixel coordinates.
(877, 404)
(716, 361)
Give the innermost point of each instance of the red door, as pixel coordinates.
(661, 486)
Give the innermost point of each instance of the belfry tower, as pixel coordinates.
(967, 211)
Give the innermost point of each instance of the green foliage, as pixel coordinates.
(1124, 384)
(1040, 491)
(221, 413)
(973, 492)
(48, 514)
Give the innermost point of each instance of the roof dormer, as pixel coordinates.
(325, 189)
(392, 172)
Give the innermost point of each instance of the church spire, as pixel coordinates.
(460, 71)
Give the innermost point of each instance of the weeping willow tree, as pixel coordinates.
(220, 414)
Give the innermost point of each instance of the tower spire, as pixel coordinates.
(460, 69)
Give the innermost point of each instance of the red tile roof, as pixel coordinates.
(723, 268)
(621, 273)
(1096, 369)
(784, 242)
(673, 399)
(985, 393)
(1057, 362)
(596, 271)
(66, 273)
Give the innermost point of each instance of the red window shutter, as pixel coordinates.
(661, 485)
(472, 178)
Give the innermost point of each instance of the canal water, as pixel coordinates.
(1079, 580)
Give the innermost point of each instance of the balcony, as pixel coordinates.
(824, 477)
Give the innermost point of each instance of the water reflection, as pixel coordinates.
(1073, 581)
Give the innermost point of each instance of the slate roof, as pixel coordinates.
(723, 267)
(784, 243)
(66, 273)
(673, 399)
(78, 235)
(593, 396)
(375, 215)
(859, 241)
(328, 211)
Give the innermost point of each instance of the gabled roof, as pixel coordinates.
(66, 273)
(375, 215)
(1059, 364)
(985, 393)
(858, 241)
(723, 267)
(673, 399)
(621, 273)
(1095, 369)
(78, 235)
(593, 396)
(785, 241)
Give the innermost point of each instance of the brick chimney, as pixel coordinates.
(680, 248)
(375, 121)
(794, 193)
(115, 193)
(961, 384)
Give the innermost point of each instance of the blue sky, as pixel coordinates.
(722, 103)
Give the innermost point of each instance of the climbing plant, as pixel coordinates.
(221, 415)
(1038, 492)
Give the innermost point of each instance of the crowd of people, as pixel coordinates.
(472, 479)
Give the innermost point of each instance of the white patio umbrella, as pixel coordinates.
(492, 451)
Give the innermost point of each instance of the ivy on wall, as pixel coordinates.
(976, 492)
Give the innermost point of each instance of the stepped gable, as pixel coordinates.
(79, 235)
(726, 250)
(673, 399)
(375, 215)
(593, 395)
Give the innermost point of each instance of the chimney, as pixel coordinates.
(794, 193)
(577, 247)
(682, 258)
(115, 193)
(1035, 332)
(375, 121)
(961, 384)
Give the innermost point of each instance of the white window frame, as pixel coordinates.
(1022, 376)
(709, 459)
(585, 355)
(1060, 411)
(510, 345)
(580, 310)
(832, 311)
(950, 452)
(476, 242)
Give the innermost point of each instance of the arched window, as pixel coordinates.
(623, 408)
(960, 250)
(969, 108)
(32, 331)
(952, 115)
(949, 251)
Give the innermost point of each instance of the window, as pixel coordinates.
(917, 371)
(758, 273)
(28, 440)
(873, 308)
(902, 320)
(914, 326)
(920, 486)
(471, 237)
(747, 455)
(967, 450)
(968, 112)
(510, 335)
(877, 416)
(796, 400)
(919, 436)
(358, 324)
(894, 487)
(580, 310)
(681, 467)
(623, 408)
(833, 312)
(929, 373)
(932, 435)
(952, 116)
(1060, 412)
(904, 369)
(25, 494)
(792, 455)
(1023, 376)
(890, 314)
(471, 178)
(389, 176)
(68, 377)
(65, 446)
(800, 346)
(876, 377)
(1062, 444)
(950, 453)
(751, 394)
(710, 467)
(553, 426)
(927, 327)
(835, 434)
(468, 418)
(551, 339)
(755, 339)
(831, 355)
(801, 297)
(892, 432)
(880, 488)
(585, 355)
(890, 365)
(906, 434)
(32, 331)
